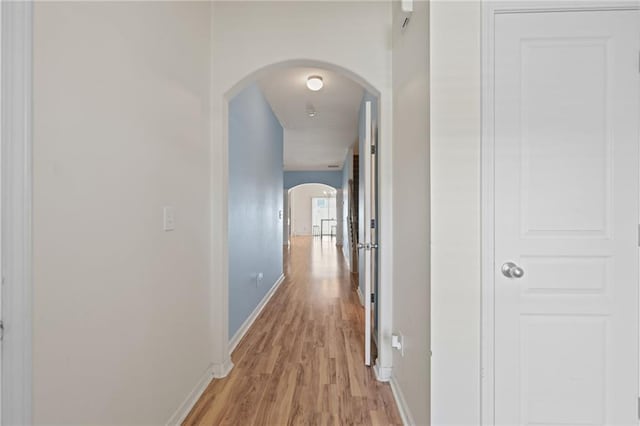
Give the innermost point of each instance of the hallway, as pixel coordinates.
(302, 360)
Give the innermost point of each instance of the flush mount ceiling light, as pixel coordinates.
(315, 83)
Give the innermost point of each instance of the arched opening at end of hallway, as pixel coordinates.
(310, 209)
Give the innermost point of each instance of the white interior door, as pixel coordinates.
(373, 228)
(2, 207)
(367, 203)
(566, 215)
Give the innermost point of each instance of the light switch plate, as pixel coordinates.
(397, 342)
(169, 222)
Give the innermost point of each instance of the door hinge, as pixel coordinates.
(373, 224)
(638, 408)
(373, 150)
(1, 331)
(638, 235)
(373, 298)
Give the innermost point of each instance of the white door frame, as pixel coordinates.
(489, 11)
(17, 40)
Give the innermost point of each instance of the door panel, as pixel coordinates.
(558, 99)
(368, 227)
(368, 264)
(374, 229)
(566, 351)
(566, 211)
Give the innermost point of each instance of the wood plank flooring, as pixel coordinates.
(302, 361)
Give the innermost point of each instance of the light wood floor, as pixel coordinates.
(302, 361)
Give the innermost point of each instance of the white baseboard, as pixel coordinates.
(183, 410)
(222, 369)
(405, 414)
(249, 321)
(360, 296)
(383, 374)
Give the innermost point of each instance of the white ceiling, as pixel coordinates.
(314, 143)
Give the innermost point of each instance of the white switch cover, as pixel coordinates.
(397, 342)
(169, 218)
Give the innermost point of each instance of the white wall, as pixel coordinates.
(455, 216)
(300, 197)
(339, 220)
(121, 326)
(285, 217)
(411, 208)
(120, 129)
(249, 36)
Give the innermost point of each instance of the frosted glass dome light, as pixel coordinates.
(315, 83)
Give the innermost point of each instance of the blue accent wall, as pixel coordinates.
(255, 200)
(331, 178)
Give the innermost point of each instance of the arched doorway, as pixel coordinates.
(311, 210)
(220, 289)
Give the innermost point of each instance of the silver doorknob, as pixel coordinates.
(511, 270)
(362, 245)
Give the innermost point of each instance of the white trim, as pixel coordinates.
(401, 403)
(360, 295)
(246, 325)
(489, 11)
(187, 405)
(219, 229)
(16, 180)
(384, 295)
(2, 202)
(383, 374)
(538, 6)
(487, 224)
(222, 369)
